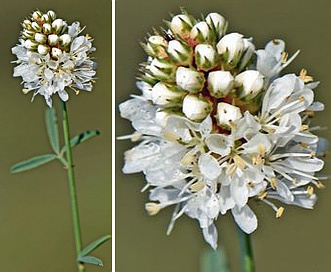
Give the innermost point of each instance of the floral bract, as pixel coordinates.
(218, 125)
(52, 56)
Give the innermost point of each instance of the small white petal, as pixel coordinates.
(210, 235)
(245, 218)
(209, 166)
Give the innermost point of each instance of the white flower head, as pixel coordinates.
(52, 57)
(218, 127)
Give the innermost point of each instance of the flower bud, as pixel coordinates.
(227, 113)
(181, 25)
(65, 39)
(205, 57)
(195, 108)
(53, 39)
(156, 46)
(36, 15)
(51, 14)
(35, 26)
(220, 83)
(250, 83)
(28, 34)
(217, 22)
(42, 49)
(45, 18)
(231, 47)
(26, 24)
(247, 55)
(57, 25)
(163, 94)
(179, 52)
(29, 44)
(47, 28)
(56, 52)
(162, 70)
(200, 32)
(189, 80)
(40, 38)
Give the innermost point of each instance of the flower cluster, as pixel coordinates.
(218, 125)
(52, 56)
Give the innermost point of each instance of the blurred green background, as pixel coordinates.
(300, 240)
(35, 216)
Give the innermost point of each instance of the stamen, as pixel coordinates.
(310, 191)
(305, 78)
(280, 212)
(197, 186)
(239, 162)
(152, 208)
(284, 57)
(273, 183)
(304, 127)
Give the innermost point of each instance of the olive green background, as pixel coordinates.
(300, 240)
(35, 215)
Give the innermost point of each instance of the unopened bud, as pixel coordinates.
(189, 80)
(51, 14)
(28, 34)
(163, 94)
(200, 32)
(181, 25)
(250, 83)
(195, 108)
(36, 15)
(205, 57)
(162, 69)
(40, 38)
(53, 39)
(220, 83)
(42, 49)
(45, 18)
(156, 46)
(179, 52)
(57, 25)
(29, 44)
(35, 26)
(231, 47)
(26, 24)
(217, 22)
(65, 39)
(47, 28)
(56, 53)
(227, 113)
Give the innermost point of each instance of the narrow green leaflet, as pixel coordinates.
(52, 129)
(32, 163)
(214, 261)
(81, 138)
(90, 260)
(94, 245)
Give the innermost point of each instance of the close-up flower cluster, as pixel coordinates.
(218, 124)
(52, 55)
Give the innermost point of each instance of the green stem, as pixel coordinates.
(72, 186)
(246, 251)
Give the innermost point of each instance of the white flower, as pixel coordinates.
(218, 129)
(48, 68)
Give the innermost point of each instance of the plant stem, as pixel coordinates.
(72, 186)
(246, 251)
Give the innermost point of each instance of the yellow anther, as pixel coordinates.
(294, 181)
(312, 154)
(261, 149)
(280, 212)
(250, 185)
(271, 131)
(310, 191)
(197, 186)
(77, 92)
(262, 195)
(239, 162)
(25, 91)
(301, 98)
(152, 208)
(136, 136)
(305, 78)
(231, 169)
(304, 145)
(304, 127)
(309, 113)
(273, 183)
(320, 185)
(284, 57)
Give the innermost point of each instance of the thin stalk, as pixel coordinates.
(72, 186)
(246, 251)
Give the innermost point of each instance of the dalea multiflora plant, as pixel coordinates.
(218, 124)
(53, 58)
